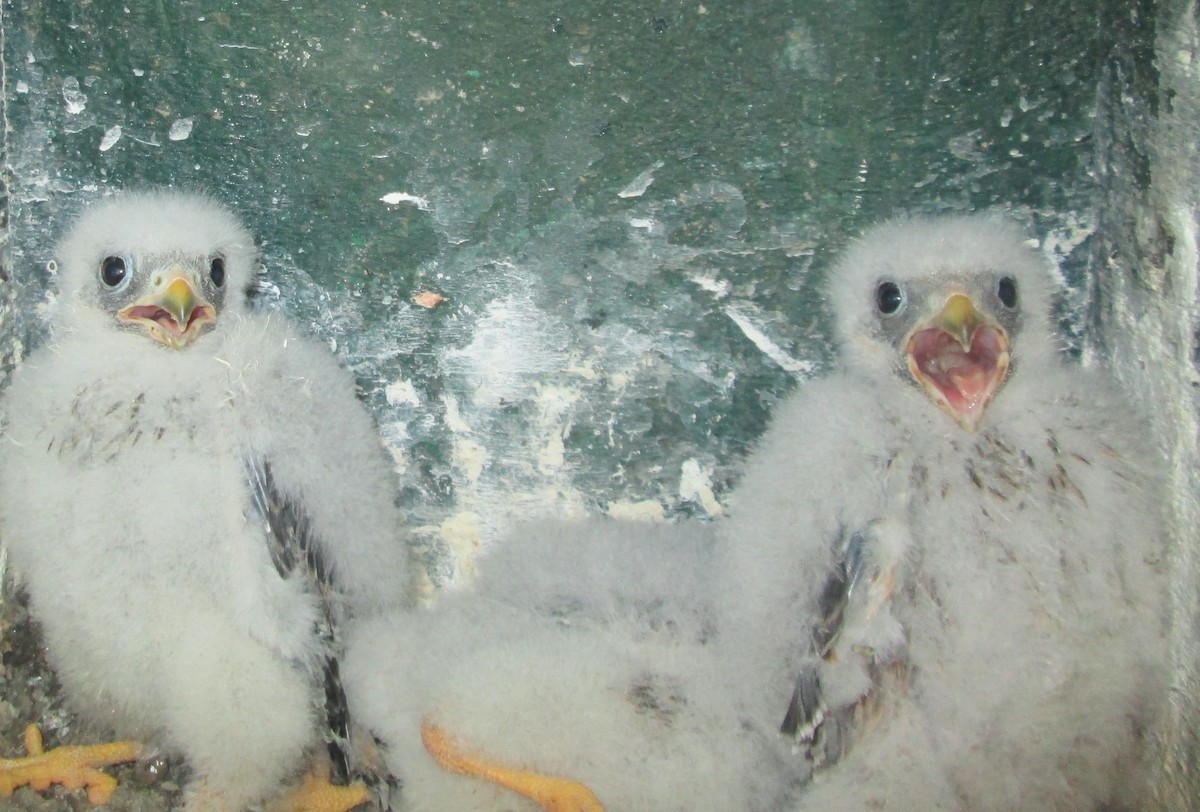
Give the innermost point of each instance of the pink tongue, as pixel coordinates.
(170, 325)
(970, 380)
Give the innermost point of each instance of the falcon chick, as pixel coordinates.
(943, 564)
(195, 500)
(577, 675)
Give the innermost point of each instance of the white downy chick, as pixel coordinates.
(944, 569)
(577, 670)
(194, 499)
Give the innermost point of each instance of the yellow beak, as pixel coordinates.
(173, 313)
(178, 300)
(958, 318)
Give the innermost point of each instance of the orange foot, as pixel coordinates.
(73, 767)
(316, 794)
(552, 793)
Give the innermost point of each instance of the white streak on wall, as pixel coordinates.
(801, 369)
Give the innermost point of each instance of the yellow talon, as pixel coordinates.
(552, 793)
(316, 794)
(71, 766)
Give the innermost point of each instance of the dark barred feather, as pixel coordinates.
(296, 553)
(828, 733)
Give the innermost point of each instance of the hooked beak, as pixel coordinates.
(960, 357)
(172, 313)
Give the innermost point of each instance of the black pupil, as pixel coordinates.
(889, 298)
(1007, 291)
(112, 271)
(216, 271)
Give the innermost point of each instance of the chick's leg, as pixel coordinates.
(71, 766)
(242, 716)
(317, 793)
(552, 793)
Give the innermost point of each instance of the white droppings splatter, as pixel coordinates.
(396, 198)
(552, 454)
(638, 186)
(454, 418)
(181, 128)
(399, 459)
(644, 511)
(75, 98)
(111, 136)
(470, 457)
(769, 348)
(508, 352)
(401, 393)
(554, 423)
(695, 485)
(720, 287)
(461, 533)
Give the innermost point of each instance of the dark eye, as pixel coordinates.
(216, 271)
(889, 298)
(113, 271)
(1006, 289)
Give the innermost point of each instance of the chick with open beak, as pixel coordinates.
(181, 297)
(960, 356)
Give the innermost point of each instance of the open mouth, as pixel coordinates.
(153, 314)
(172, 314)
(961, 379)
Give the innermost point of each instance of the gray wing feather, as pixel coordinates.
(806, 710)
(296, 553)
(827, 732)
